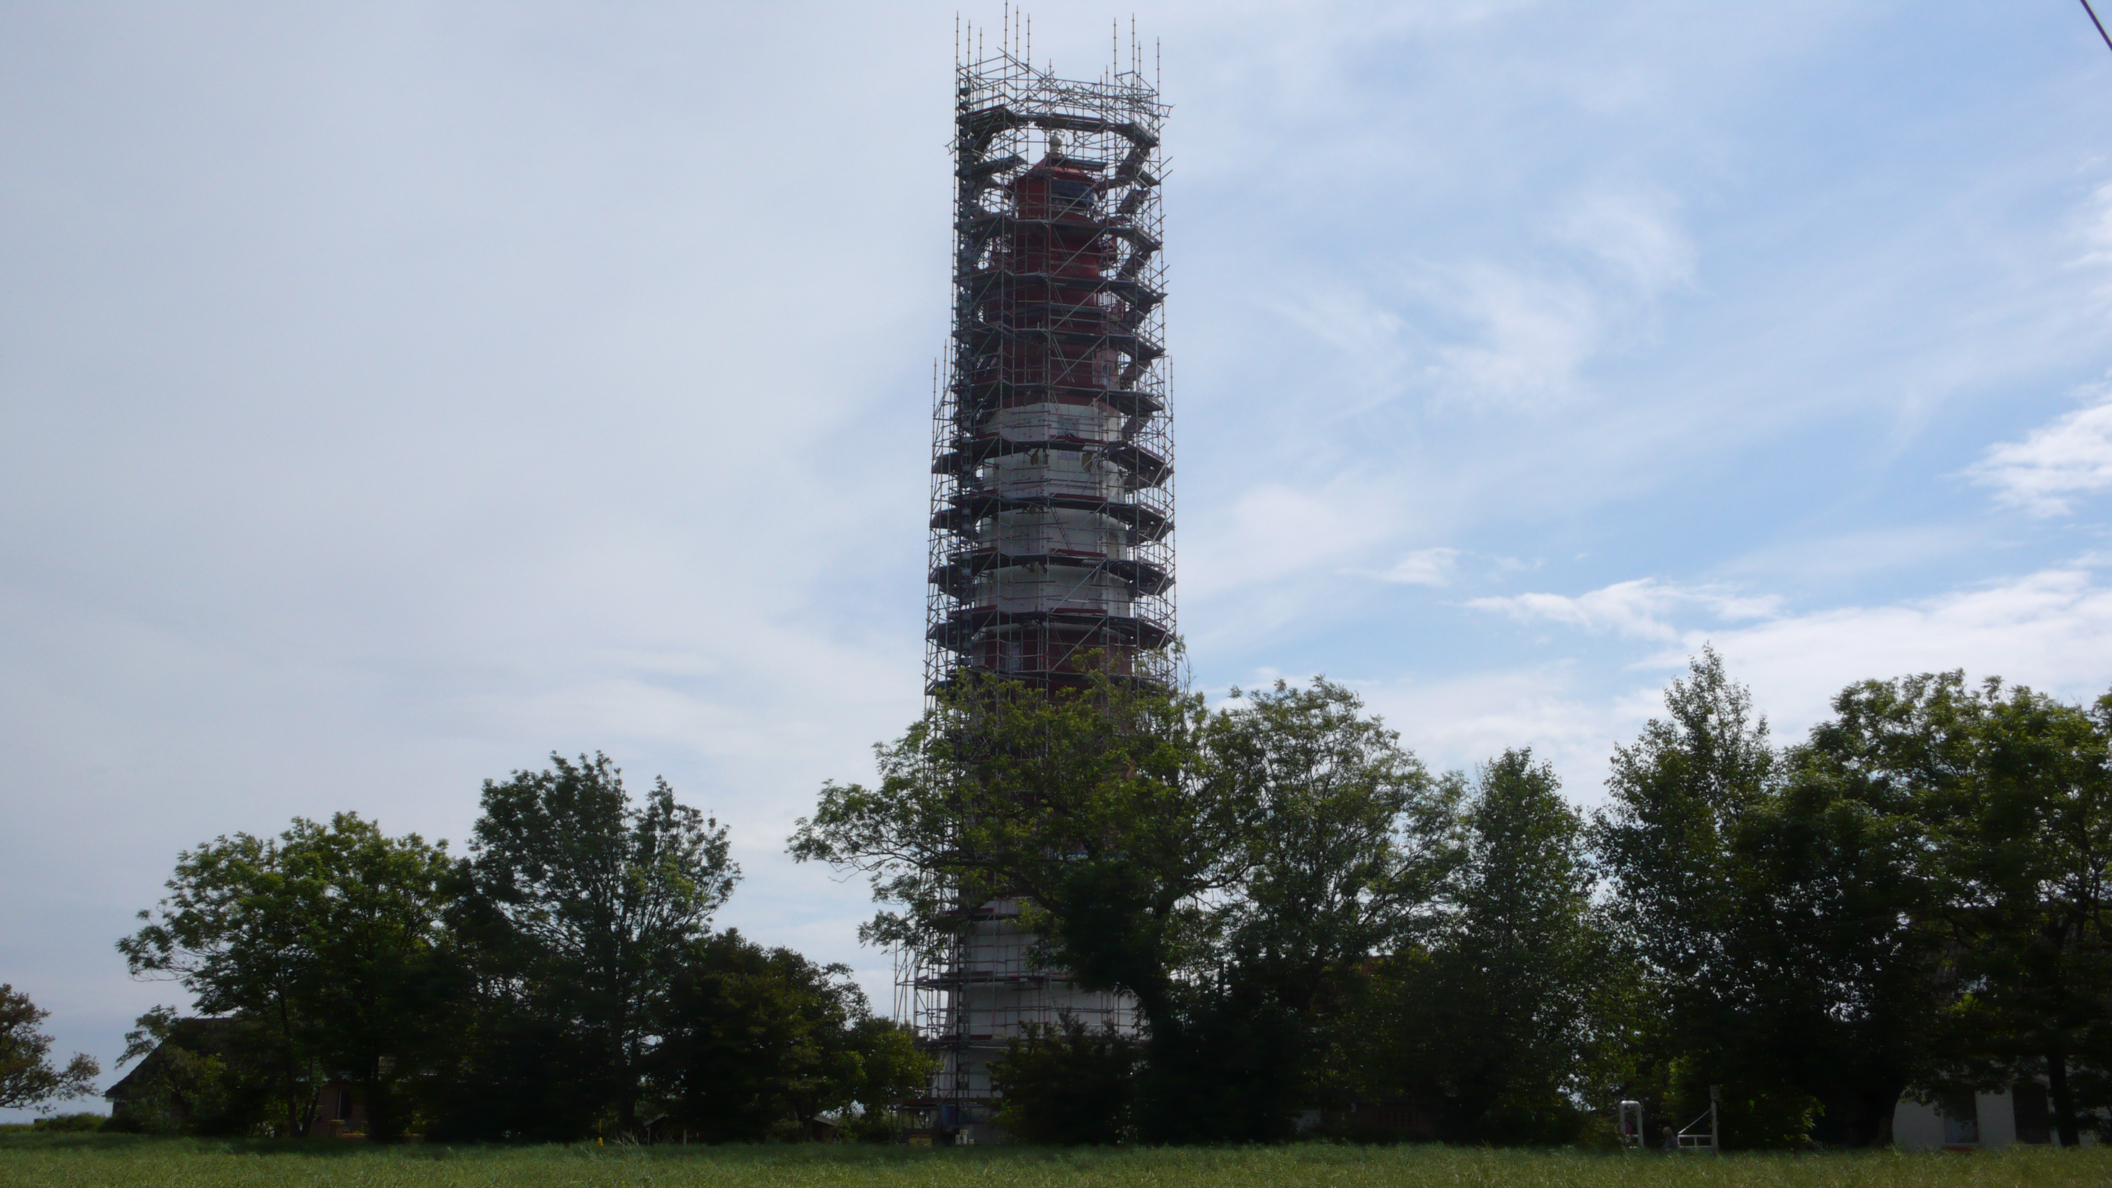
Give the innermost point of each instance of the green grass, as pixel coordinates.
(67, 1161)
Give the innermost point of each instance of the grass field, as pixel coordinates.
(67, 1161)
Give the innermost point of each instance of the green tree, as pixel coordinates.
(1066, 1085)
(1082, 805)
(2024, 849)
(1667, 838)
(1346, 842)
(27, 1075)
(191, 1078)
(758, 1041)
(1224, 870)
(325, 938)
(1779, 903)
(1494, 1031)
(1846, 967)
(1347, 836)
(585, 905)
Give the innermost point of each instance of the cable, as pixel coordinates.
(2100, 24)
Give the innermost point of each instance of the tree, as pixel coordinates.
(1346, 841)
(1079, 804)
(27, 1075)
(1678, 796)
(1781, 908)
(1223, 870)
(586, 905)
(324, 938)
(1839, 910)
(1347, 837)
(2023, 846)
(1066, 1085)
(758, 1041)
(1492, 1032)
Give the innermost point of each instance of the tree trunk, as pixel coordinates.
(297, 1126)
(2064, 1119)
(1862, 1115)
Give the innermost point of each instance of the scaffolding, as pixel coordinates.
(1052, 477)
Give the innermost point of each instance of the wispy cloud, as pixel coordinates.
(1641, 608)
(1636, 232)
(1424, 567)
(2051, 629)
(2067, 458)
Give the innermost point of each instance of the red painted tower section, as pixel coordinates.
(1052, 518)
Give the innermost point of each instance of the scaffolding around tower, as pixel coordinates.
(1052, 433)
(1052, 482)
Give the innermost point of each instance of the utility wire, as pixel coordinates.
(2100, 24)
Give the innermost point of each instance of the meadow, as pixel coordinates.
(91, 1161)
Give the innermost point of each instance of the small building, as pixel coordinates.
(2019, 1114)
(339, 1113)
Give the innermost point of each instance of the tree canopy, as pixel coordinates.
(27, 1075)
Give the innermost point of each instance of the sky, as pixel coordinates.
(393, 394)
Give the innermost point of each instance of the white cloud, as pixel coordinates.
(2051, 630)
(2069, 457)
(1424, 567)
(1276, 530)
(1532, 332)
(1526, 331)
(1636, 608)
(1456, 722)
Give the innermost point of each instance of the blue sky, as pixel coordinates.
(391, 394)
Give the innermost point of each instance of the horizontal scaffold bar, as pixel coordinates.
(1146, 467)
(975, 396)
(983, 123)
(959, 629)
(970, 506)
(959, 572)
(984, 283)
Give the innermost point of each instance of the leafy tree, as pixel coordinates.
(1846, 969)
(1347, 836)
(1779, 904)
(891, 1067)
(27, 1075)
(1065, 1084)
(1081, 805)
(2022, 816)
(1225, 871)
(1679, 795)
(324, 939)
(585, 905)
(1347, 840)
(756, 1040)
(198, 1076)
(1494, 1032)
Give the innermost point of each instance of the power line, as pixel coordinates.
(2100, 24)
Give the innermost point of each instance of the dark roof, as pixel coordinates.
(208, 1036)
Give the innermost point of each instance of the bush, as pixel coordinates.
(1066, 1085)
(69, 1123)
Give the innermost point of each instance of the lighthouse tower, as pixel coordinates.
(1052, 465)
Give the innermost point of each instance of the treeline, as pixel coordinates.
(1914, 900)
(558, 982)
